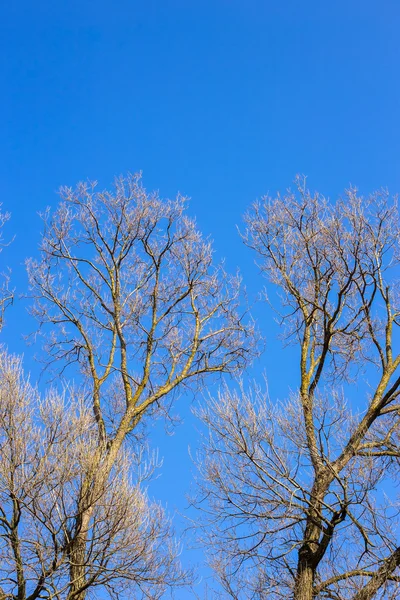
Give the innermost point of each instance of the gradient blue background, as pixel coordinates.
(220, 100)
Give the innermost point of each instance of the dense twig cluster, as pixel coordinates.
(48, 449)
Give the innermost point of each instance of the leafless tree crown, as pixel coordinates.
(296, 491)
(132, 294)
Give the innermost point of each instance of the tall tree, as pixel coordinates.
(130, 292)
(297, 491)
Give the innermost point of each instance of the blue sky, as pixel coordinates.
(221, 100)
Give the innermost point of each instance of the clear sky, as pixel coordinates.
(220, 100)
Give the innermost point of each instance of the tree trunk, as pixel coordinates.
(92, 490)
(308, 554)
(77, 557)
(305, 579)
(77, 569)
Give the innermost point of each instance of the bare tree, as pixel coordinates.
(129, 288)
(46, 450)
(300, 498)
